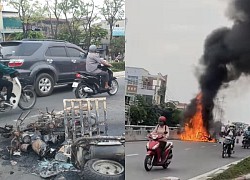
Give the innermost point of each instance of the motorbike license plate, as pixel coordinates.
(75, 84)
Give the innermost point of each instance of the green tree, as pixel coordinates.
(30, 35)
(52, 8)
(74, 9)
(97, 34)
(112, 11)
(29, 12)
(118, 45)
(137, 114)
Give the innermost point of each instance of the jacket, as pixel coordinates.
(6, 70)
(160, 130)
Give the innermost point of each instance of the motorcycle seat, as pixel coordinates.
(90, 74)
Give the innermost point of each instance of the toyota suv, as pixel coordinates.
(50, 62)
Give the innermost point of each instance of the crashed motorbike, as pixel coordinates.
(87, 84)
(154, 154)
(246, 142)
(93, 151)
(227, 146)
(23, 96)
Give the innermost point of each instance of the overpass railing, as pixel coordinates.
(139, 133)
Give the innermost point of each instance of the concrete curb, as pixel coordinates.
(119, 74)
(220, 170)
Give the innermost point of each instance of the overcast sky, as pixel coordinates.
(167, 36)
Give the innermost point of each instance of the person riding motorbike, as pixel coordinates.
(247, 132)
(163, 130)
(232, 132)
(92, 62)
(5, 83)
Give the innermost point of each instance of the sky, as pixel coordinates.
(167, 36)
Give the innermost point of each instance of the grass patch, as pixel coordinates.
(118, 66)
(235, 171)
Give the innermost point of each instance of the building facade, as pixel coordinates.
(140, 82)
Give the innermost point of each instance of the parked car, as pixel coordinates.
(50, 62)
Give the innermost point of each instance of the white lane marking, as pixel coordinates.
(215, 145)
(187, 149)
(130, 155)
(203, 146)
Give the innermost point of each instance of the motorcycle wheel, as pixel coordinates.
(223, 151)
(229, 150)
(165, 166)
(28, 96)
(115, 87)
(97, 169)
(79, 92)
(148, 163)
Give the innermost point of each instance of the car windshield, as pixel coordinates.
(18, 48)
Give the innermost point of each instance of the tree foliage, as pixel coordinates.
(29, 12)
(144, 113)
(112, 11)
(30, 35)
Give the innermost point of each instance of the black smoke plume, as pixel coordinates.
(225, 58)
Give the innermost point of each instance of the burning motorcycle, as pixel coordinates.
(25, 96)
(153, 157)
(246, 142)
(88, 84)
(227, 146)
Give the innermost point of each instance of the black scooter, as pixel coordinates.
(246, 142)
(87, 84)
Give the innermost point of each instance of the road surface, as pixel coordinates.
(115, 107)
(116, 122)
(190, 159)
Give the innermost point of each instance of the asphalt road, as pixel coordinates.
(115, 114)
(115, 107)
(190, 159)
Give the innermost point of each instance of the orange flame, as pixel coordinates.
(194, 130)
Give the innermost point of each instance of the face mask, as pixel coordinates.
(161, 123)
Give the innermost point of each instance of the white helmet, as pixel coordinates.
(92, 48)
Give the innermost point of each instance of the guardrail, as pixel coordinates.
(139, 133)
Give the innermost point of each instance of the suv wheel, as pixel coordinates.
(44, 84)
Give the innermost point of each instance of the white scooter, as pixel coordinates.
(25, 96)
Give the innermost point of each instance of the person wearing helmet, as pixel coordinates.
(92, 62)
(232, 132)
(247, 132)
(5, 70)
(162, 129)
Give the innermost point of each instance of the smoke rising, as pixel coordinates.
(226, 57)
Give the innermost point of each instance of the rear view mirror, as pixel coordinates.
(148, 131)
(83, 55)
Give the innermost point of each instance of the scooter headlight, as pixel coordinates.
(156, 146)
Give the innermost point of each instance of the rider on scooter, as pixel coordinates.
(247, 132)
(4, 83)
(162, 129)
(92, 62)
(232, 132)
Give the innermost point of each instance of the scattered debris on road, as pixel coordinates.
(65, 142)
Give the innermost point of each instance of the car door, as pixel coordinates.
(57, 57)
(77, 59)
